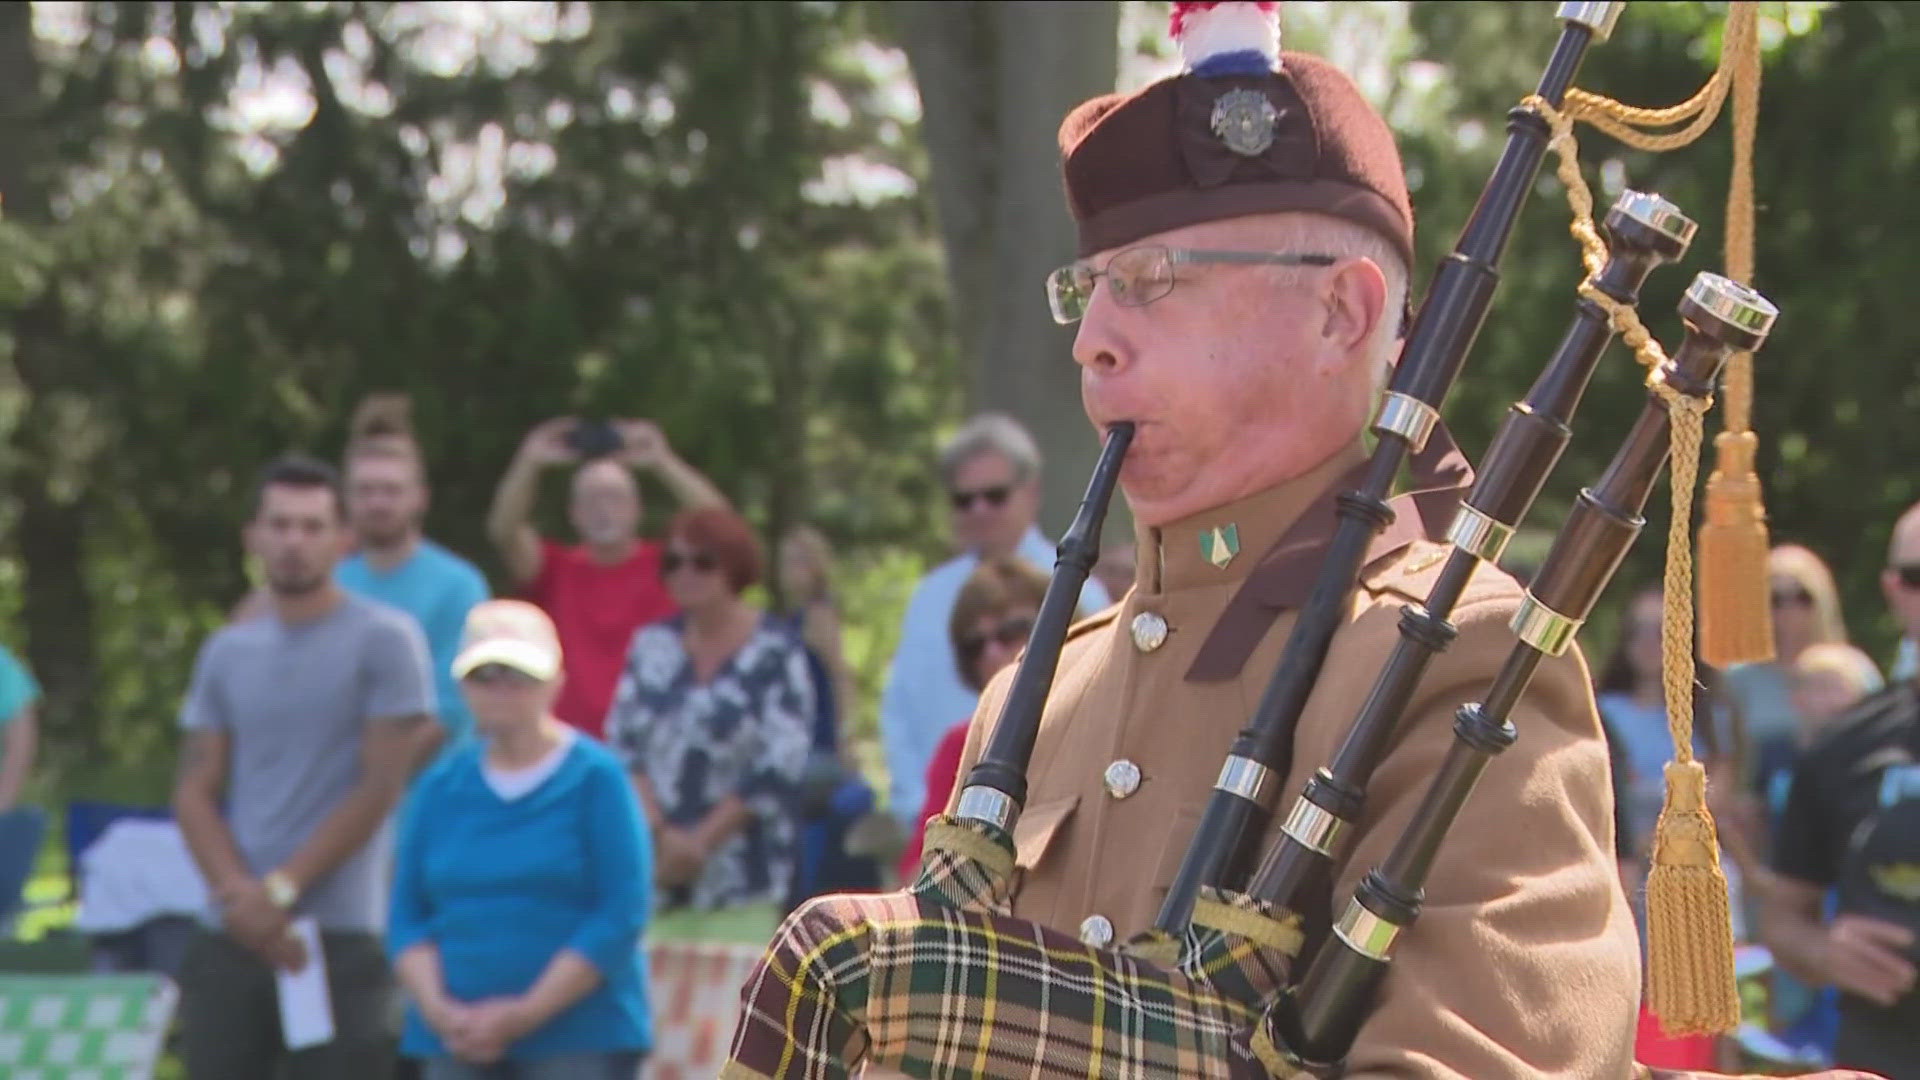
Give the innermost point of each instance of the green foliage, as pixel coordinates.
(1837, 381)
(669, 235)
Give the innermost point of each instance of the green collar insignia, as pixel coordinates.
(1220, 544)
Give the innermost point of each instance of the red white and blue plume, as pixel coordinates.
(1227, 38)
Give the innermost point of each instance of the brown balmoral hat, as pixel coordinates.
(1245, 129)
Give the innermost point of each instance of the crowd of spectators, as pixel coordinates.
(475, 811)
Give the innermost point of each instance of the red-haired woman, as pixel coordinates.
(712, 716)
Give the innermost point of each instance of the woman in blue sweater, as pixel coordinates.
(523, 881)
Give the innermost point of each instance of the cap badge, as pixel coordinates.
(1220, 544)
(1244, 119)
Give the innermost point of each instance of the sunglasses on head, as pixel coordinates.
(995, 497)
(1791, 598)
(499, 675)
(1909, 575)
(672, 561)
(1011, 633)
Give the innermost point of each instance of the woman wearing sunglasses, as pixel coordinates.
(520, 886)
(1806, 612)
(992, 619)
(713, 717)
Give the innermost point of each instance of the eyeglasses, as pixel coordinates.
(499, 675)
(995, 497)
(1909, 575)
(1791, 598)
(700, 561)
(1140, 275)
(1011, 633)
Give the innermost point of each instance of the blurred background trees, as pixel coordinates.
(805, 237)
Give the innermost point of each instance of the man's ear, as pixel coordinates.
(1356, 299)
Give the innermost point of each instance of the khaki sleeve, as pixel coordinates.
(1524, 962)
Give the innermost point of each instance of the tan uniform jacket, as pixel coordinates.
(1524, 962)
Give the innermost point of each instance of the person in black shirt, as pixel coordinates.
(1852, 825)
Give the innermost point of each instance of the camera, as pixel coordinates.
(594, 438)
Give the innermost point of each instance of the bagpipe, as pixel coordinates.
(940, 979)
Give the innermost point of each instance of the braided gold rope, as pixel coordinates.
(1746, 117)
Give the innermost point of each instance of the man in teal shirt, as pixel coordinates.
(395, 564)
(19, 693)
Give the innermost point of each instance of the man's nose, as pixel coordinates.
(1097, 344)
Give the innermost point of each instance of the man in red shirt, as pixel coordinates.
(602, 589)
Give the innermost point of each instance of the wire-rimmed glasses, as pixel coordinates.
(1140, 275)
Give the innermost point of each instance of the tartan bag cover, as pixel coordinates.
(939, 980)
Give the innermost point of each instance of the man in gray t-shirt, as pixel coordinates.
(303, 726)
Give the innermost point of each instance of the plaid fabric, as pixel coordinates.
(939, 980)
(915, 982)
(968, 866)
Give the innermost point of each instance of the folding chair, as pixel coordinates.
(108, 1027)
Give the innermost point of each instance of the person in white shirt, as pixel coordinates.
(991, 471)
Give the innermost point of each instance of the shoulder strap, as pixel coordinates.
(1287, 571)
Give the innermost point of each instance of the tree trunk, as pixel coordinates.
(57, 608)
(949, 44)
(995, 81)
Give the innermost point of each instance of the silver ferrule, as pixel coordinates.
(979, 803)
(1544, 628)
(1733, 303)
(1366, 933)
(1598, 17)
(1657, 213)
(1246, 778)
(1408, 417)
(1313, 826)
(1478, 534)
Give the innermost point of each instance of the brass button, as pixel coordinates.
(1149, 631)
(1123, 778)
(1096, 931)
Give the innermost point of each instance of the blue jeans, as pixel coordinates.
(584, 1065)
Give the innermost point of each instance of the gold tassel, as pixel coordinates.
(1736, 622)
(1689, 922)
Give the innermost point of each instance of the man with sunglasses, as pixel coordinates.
(991, 471)
(1851, 826)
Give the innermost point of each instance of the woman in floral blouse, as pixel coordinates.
(712, 716)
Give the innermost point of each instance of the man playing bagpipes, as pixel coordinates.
(1245, 245)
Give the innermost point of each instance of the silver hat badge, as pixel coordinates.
(1244, 120)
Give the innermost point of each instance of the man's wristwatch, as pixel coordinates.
(280, 889)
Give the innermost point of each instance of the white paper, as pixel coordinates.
(306, 1012)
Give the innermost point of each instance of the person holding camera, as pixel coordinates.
(607, 584)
